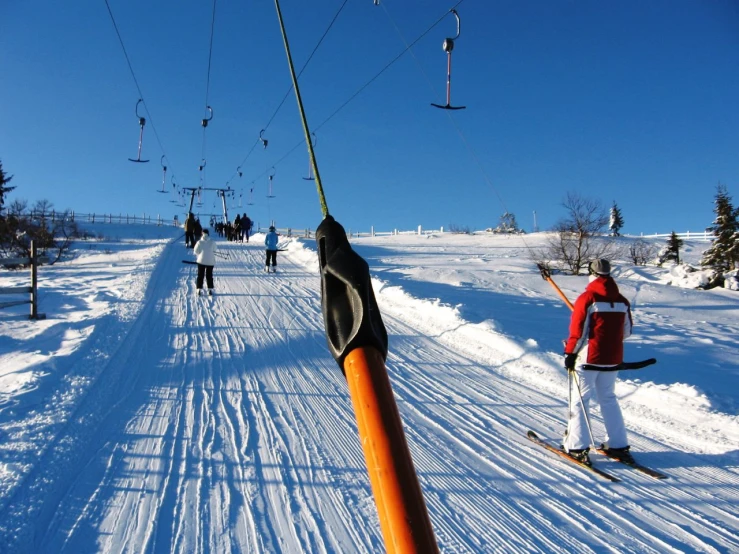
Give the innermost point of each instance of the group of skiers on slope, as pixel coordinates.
(237, 231)
(600, 322)
(205, 252)
(193, 230)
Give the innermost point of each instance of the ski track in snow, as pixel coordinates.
(223, 425)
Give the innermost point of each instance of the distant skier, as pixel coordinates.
(198, 230)
(270, 241)
(246, 223)
(600, 322)
(190, 230)
(237, 229)
(205, 250)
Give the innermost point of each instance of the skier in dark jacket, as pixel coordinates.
(197, 230)
(190, 230)
(246, 224)
(237, 229)
(600, 322)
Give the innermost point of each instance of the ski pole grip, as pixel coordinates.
(351, 316)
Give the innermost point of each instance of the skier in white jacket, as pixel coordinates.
(205, 250)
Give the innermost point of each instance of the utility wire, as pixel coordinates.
(207, 79)
(362, 88)
(452, 120)
(289, 90)
(210, 52)
(395, 59)
(136, 82)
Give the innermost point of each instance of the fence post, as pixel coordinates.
(372, 230)
(34, 282)
(419, 230)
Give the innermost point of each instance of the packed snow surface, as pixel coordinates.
(139, 417)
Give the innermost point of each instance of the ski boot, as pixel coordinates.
(621, 454)
(581, 456)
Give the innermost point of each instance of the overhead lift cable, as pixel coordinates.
(135, 80)
(353, 96)
(208, 113)
(289, 90)
(384, 69)
(357, 340)
(452, 120)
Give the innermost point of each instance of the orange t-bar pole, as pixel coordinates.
(561, 294)
(404, 521)
(548, 278)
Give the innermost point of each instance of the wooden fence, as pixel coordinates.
(110, 218)
(308, 233)
(34, 260)
(689, 235)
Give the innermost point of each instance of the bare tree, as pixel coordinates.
(459, 229)
(53, 237)
(580, 236)
(641, 252)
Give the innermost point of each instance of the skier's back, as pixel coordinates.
(270, 243)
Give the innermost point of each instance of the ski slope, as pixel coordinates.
(223, 425)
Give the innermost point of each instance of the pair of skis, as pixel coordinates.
(533, 437)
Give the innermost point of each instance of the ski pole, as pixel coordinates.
(584, 411)
(547, 276)
(569, 399)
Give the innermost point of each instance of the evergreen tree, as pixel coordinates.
(723, 255)
(4, 188)
(507, 224)
(672, 251)
(616, 221)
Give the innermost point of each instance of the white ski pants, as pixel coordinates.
(603, 384)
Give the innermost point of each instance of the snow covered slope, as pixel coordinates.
(142, 418)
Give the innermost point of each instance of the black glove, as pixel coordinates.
(570, 360)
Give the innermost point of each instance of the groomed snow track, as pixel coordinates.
(223, 425)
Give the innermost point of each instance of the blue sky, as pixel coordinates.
(633, 102)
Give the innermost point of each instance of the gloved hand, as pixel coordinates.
(570, 360)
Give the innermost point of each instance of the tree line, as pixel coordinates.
(19, 227)
(587, 231)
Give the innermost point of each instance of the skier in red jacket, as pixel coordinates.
(600, 322)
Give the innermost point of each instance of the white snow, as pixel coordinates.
(139, 417)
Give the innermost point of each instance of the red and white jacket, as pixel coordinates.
(600, 323)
